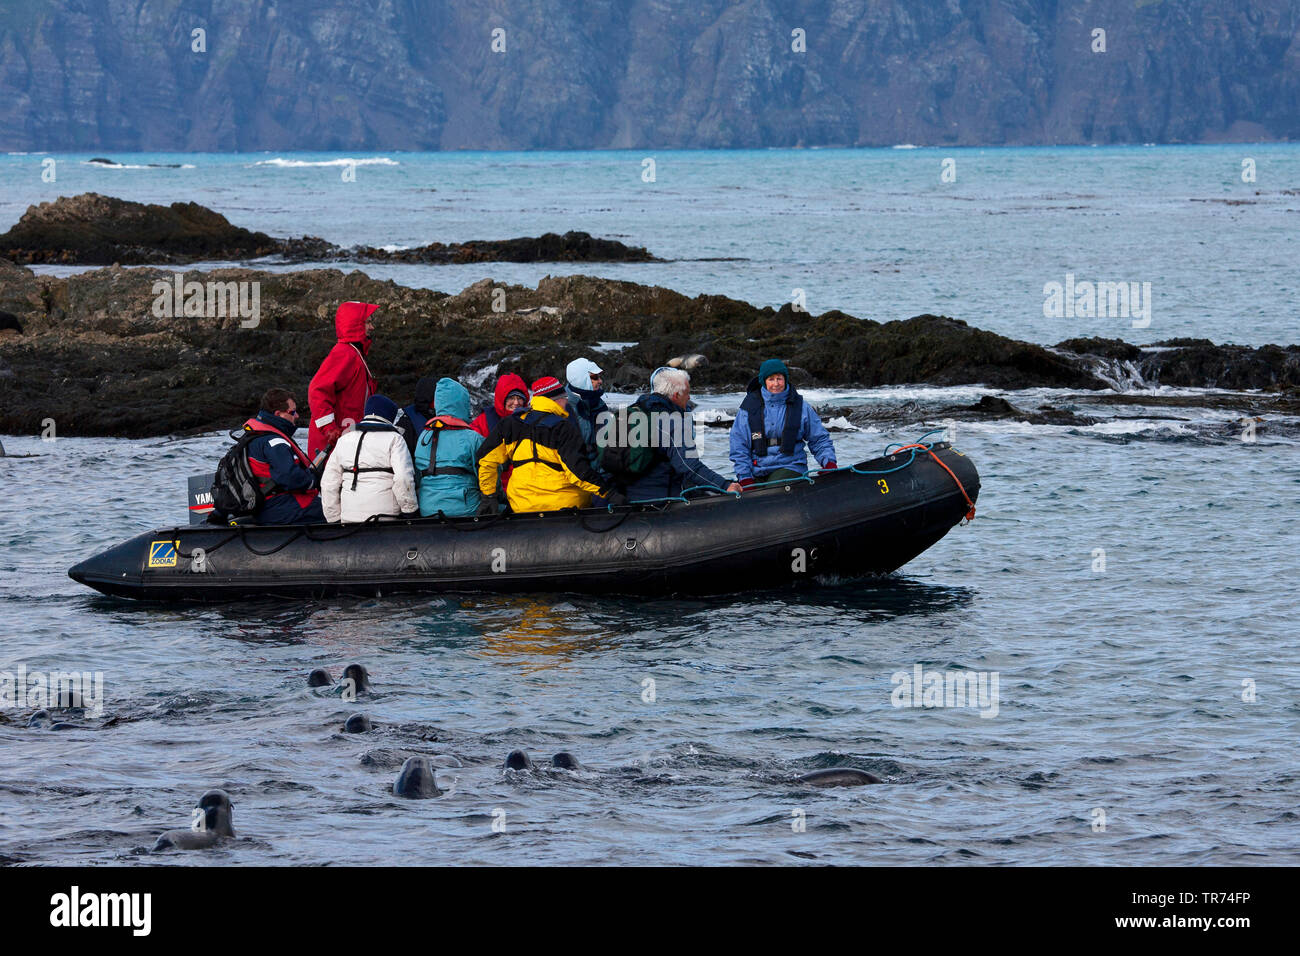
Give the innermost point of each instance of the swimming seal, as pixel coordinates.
(359, 676)
(416, 782)
(518, 760)
(565, 761)
(839, 777)
(217, 821)
(356, 724)
(320, 677)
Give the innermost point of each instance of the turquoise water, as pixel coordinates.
(874, 232)
(1132, 584)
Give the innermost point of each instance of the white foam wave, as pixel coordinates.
(86, 162)
(840, 423)
(916, 393)
(476, 379)
(302, 163)
(1137, 427)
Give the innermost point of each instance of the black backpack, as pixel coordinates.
(618, 455)
(236, 491)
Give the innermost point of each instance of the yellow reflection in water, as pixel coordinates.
(537, 636)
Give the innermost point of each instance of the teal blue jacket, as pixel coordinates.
(454, 492)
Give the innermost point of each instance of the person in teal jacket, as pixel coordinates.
(451, 485)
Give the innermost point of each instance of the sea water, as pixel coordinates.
(1126, 594)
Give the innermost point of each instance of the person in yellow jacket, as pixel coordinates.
(545, 448)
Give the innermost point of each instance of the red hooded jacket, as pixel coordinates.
(505, 385)
(339, 389)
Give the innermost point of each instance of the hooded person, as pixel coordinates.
(370, 471)
(445, 454)
(414, 416)
(339, 389)
(583, 386)
(545, 449)
(509, 397)
(774, 430)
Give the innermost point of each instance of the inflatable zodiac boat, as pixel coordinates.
(872, 517)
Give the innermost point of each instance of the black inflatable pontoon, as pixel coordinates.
(871, 518)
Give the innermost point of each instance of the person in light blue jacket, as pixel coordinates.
(774, 430)
(450, 485)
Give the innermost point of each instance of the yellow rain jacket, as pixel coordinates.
(546, 450)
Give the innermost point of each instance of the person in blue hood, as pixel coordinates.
(585, 389)
(450, 485)
(775, 428)
(677, 465)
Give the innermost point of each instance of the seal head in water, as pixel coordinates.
(416, 782)
(839, 777)
(359, 676)
(217, 823)
(518, 760)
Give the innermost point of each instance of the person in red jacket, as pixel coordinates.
(339, 389)
(510, 396)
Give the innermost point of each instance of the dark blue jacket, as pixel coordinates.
(270, 455)
(419, 411)
(679, 466)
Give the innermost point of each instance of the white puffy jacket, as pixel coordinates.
(377, 492)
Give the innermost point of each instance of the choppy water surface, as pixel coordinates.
(1120, 691)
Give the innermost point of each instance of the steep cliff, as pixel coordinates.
(323, 75)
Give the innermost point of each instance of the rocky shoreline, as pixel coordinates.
(90, 229)
(93, 356)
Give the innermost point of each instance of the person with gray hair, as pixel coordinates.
(673, 464)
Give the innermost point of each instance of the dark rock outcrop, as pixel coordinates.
(992, 407)
(121, 75)
(101, 230)
(96, 358)
(550, 247)
(90, 229)
(1196, 363)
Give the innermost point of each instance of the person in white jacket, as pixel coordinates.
(369, 472)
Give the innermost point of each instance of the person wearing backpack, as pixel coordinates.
(774, 430)
(669, 462)
(445, 455)
(287, 484)
(369, 473)
(545, 449)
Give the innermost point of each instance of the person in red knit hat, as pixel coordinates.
(339, 389)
